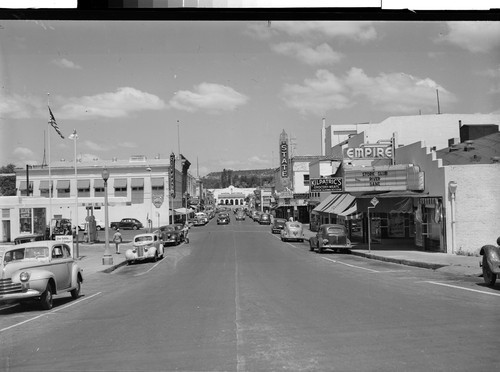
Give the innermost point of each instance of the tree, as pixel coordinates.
(7, 183)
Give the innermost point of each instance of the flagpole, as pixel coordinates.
(50, 174)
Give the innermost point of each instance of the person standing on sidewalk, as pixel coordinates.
(117, 239)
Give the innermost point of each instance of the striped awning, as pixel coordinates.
(44, 184)
(157, 182)
(135, 182)
(336, 204)
(98, 183)
(62, 184)
(22, 185)
(120, 183)
(83, 184)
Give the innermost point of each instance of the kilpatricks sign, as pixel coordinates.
(284, 159)
(172, 175)
(326, 184)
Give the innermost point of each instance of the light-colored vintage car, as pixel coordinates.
(146, 247)
(292, 230)
(37, 271)
(330, 236)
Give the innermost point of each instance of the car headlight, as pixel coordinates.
(325, 241)
(24, 276)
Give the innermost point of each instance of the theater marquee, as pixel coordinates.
(384, 178)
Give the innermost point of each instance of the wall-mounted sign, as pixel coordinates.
(284, 159)
(172, 175)
(368, 152)
(157, 200)
(326, 184)
(383, 178)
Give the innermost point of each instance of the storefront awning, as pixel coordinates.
(135, 182)
(335, 204)
(62, 184)
(351, 213)
(98, 183)
(44, 184)
(120, 183)
(83, 184)
(183, 210)
(156, 182)
(391, 194)
(22, 185)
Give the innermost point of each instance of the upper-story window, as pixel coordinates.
(63, 189)
(120, 185)
(83, 187)
(137, 186)
(306, 179)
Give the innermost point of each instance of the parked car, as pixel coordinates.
(146, 247)
(172, 234)
(330, 236)
(37, 271)
(278, 225)
(99, 225)
(127, 223)
(240, 215)
(223, 219)
(203, 217)
(256, 215)
(292, 230)
(28, 238)
(490, 262)
(265, 219)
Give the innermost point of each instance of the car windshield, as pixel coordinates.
(36, 252)
(295, 225)
(147, 238)
(334, 230)
(279, 221)
(169, 228)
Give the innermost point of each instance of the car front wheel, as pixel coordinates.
(75, 293)
(489, 277)
(134, 227)
(46, 300)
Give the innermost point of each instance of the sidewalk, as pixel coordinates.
(394, 251)
(91, 258)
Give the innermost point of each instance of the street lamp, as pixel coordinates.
(150, 219)
(74, 137)
(452, 189)
(107, 258)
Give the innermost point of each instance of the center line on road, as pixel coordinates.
(463, 288)
(346, 264)
(50, 312)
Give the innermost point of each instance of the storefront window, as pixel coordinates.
(39, 221)
(25, 220)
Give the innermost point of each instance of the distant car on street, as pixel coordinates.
(37, 271)
(146, 247)
(172, 234)
(330, 236)
(278, 225)
(99, 225)
(265, 219)
(292, 230)
(223, 219)
(240, 215)
(28, 238)
(127, 223)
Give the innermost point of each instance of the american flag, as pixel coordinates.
(52, 122)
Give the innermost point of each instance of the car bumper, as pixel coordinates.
(336, 246)
(24, 295)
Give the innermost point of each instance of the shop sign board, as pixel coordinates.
(332, 184)
(383, 178)
(157, 200)
(284, 159)
(369, 152)
(172, 175)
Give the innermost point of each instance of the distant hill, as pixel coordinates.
(239, 178)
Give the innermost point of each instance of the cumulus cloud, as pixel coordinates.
(123, 102)
(393, 93)
(310, 30)
(212, 98)
(65, 63)
(94, 146)
(475, 36)
(314, 56)
(317, 95)
(129, 145)
(23, 152)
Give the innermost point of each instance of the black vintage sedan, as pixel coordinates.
(172, 234)
(223, 219)
(277, 225)
(331, 236)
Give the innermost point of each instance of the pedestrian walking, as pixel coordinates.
(117, 239)
(186, 231)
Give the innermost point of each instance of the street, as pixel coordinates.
(237, 298)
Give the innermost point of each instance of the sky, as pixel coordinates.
(221, 92)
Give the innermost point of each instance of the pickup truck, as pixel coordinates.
(127, 223)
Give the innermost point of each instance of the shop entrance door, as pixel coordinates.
(6, 231)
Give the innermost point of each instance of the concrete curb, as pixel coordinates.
(114, 267)
(400, 261)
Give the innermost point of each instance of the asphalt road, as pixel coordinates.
(238, 299)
